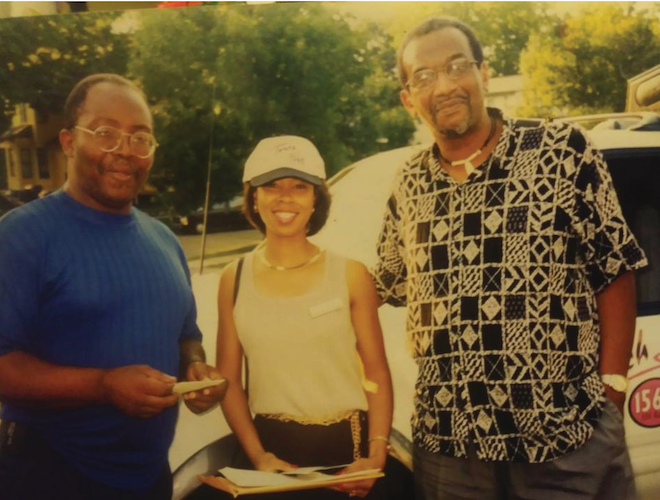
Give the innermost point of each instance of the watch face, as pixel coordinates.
(620, 384)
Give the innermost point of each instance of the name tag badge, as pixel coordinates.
(325, 307)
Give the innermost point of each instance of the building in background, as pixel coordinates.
(505, 93)
(34, 160)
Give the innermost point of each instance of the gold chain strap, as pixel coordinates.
(355, 433)
(283, 417)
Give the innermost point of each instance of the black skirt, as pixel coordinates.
(308, 444)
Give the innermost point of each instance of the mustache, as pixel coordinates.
(442, 101)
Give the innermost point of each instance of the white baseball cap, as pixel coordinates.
(284, 156)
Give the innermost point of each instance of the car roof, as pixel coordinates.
(621, 131)
(641, 120)
(606, 140)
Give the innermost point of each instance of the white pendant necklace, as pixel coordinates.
(469, 166)
(311, 260)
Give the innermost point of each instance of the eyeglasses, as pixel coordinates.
(427, 77)
(108, 139)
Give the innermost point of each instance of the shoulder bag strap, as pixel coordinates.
(237, 283)
(237, 278)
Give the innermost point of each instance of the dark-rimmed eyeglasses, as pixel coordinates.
(425, 78)
(108, 139)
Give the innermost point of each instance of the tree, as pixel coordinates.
(582, 67)
(502, 27)
(41, 58)
(250, 72)
(174, 59)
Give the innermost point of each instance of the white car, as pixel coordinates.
(360, 192)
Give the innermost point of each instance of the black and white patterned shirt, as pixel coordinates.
(499, 275)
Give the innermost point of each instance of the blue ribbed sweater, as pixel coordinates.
(80, 287)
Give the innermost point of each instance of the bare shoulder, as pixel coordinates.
(356, 269)
(358, 277)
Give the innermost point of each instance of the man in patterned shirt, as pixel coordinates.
(508, 247)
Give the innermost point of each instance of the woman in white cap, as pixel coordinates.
(306, 321)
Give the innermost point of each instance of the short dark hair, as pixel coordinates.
(316, 221)
(76, 100)
(436, 24)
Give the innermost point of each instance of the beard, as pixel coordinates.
(457, 130)
(455, 133)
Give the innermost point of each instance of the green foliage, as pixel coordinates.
(41, 58)
(502, 27)
(220, 78)
(242, 73)
(583, 67)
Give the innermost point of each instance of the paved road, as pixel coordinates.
(221, 248)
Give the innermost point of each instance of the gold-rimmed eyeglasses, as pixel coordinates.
(108, 139)
(424, 78)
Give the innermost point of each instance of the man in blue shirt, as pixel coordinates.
(97, 318)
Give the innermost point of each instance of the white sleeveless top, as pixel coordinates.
(301, 350)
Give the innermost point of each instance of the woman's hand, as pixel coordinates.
(360, 488)
(268, 462)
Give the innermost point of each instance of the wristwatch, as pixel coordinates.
(617, 382)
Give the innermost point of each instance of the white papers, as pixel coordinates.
(195, 385)
(310, 475)
(250, 482)
(253, 478)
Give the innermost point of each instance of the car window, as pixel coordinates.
(636, 179)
